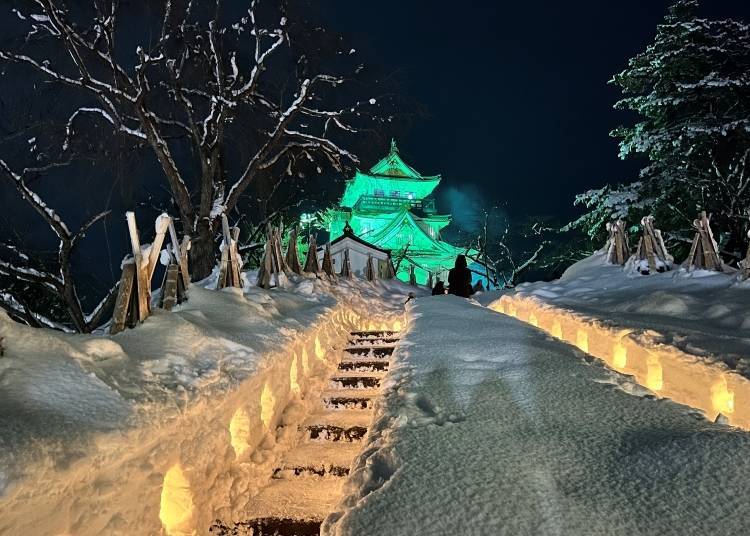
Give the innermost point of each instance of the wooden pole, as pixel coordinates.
(142, 278)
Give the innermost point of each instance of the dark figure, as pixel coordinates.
(459, 279)
(479, 287)
(439, 289)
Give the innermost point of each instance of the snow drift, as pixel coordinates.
(172, 425)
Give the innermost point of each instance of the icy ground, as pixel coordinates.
(492, 427)
(703, 313)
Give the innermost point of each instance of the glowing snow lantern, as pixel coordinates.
(293, 385)
(397, 326)
(619, 356)
(557, 329)
(319, 352)
(305, 361)
(533, 320)
(239, 431)
(176, 508)
(582, 340)
(267, 403)
(722, 398)
(654, 376)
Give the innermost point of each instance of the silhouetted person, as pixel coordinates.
(459, 279)
(438, 289)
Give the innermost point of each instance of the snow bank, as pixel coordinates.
(679, 334)
(491, 427)
(167, 427)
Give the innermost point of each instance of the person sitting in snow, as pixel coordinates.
(459, 279)
(438, 289)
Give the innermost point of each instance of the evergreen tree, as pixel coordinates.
(691, 91)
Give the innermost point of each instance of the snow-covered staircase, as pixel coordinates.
(307, 483)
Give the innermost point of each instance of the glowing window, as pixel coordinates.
(395, 193)
(379, 193)
(410, 195)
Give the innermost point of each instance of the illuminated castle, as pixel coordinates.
(390, 207)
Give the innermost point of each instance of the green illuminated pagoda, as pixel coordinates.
(390, 207)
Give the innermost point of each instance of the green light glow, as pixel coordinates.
(387, 207)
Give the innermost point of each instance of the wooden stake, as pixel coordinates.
(142, 278)
(124, 296)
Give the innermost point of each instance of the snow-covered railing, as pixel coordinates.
(665, 370)
(133, 303)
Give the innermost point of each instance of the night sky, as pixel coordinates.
(517, 93)
(515, 108)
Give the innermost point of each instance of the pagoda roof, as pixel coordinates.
(389, 174)
(394, 166)
(404, 218)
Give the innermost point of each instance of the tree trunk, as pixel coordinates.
(202, 252)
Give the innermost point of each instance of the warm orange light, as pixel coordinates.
(556, 329)
(239, 431)
(533, 320)
(654, 377)
(305, 361)
(319, 352)
(267, 405)
(397, 325)
(582, 340)
(619, 356)
(293, 373)
(176, 508)
(722, 398)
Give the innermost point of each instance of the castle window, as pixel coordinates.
(379, 193)
(395, 193)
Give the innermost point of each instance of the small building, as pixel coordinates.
(359, 252)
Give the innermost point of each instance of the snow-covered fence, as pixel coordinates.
(618, 248)
(177, 277)
(311, 261)
(328, 262)
(292, 255)
(229, 266)
(651, 255)
(274, 263)
(704, 252)
(133, 303)
(664, 369)
(346, 266)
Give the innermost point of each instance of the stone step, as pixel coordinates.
(382, 341)
(269, 526)
(355, 382)
(348, 402)
(321, 454)
(361, 365)
(318, 470)
(372, 334)
(299, 500)
(330, 432)
(370, 351)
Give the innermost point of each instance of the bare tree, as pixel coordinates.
(180, 93)
(59, 282)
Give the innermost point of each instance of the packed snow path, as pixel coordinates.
(492, 427)
(307, 484)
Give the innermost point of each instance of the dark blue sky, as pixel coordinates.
(517, 92)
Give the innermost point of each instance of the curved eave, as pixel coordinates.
(366, 184)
